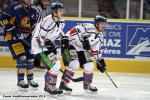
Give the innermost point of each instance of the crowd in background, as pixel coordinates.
(109, 8)
(42, 6)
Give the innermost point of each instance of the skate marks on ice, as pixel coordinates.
(131, 87)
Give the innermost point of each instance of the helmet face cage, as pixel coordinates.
(99, 18)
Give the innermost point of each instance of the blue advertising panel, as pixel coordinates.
(123, 39)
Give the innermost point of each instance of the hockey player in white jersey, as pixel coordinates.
(44, 35)
(83, 39)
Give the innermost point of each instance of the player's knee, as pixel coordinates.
(89, 67)
(73, 65)
(21, 62)
(30, 64)
(73, 53)
(29, 61)
(55, 69)
(30, 71)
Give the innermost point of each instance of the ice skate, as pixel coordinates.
(22, 86)
(33, 84)
(52, 90)
(89, 88)
(65, 88)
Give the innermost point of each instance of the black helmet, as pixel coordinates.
(99, 18)
(56, 5)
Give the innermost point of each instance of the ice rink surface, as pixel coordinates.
(131, 87)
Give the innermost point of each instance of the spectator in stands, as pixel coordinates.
(107, 8)
(146, 13)
(44, 8)
(134, 9)
(2, 5)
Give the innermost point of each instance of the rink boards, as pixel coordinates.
(113, 65)
(126, 45)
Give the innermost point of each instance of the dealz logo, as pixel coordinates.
(138, 40)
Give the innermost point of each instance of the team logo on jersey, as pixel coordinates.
(25, 22)
(138, 40)
(73, 31)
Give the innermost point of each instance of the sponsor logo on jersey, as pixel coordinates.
(25, 23)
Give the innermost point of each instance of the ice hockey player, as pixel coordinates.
(43, 44)
(44, 10)
(84, 39)
(21, 17)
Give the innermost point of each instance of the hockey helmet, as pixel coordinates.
(99, 18)
(56, 5)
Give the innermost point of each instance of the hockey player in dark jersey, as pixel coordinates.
(21, 18)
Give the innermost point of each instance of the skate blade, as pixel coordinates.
(67, 92)
(22, 89)
(91, 92)
(50, 95)
(33, 89)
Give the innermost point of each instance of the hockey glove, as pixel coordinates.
(86, 43)
(50, 45)
(101, 66)
(64, 42)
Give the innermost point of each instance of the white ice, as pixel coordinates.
(131, 87)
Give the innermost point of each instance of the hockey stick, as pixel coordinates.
(111, 79)
(81, 78)
(73, 79)
(105, 72)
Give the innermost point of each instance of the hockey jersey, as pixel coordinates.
(22, 18)
(47, 28)
(95, 37)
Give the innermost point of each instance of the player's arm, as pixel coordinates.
(4, 18)
(7, 19)
(101, 65)
(86, 43)
(100, 62)
(64, 39)
(8, 13)
(95, 50)
(43, 38)
(79, 33)
(36, 16)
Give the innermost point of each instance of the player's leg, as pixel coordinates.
(88, 77)
(29, 64)
(86, 62)
(21, 69)
(30, 74)
(69, 70)
(18, 53)
(53, 66)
